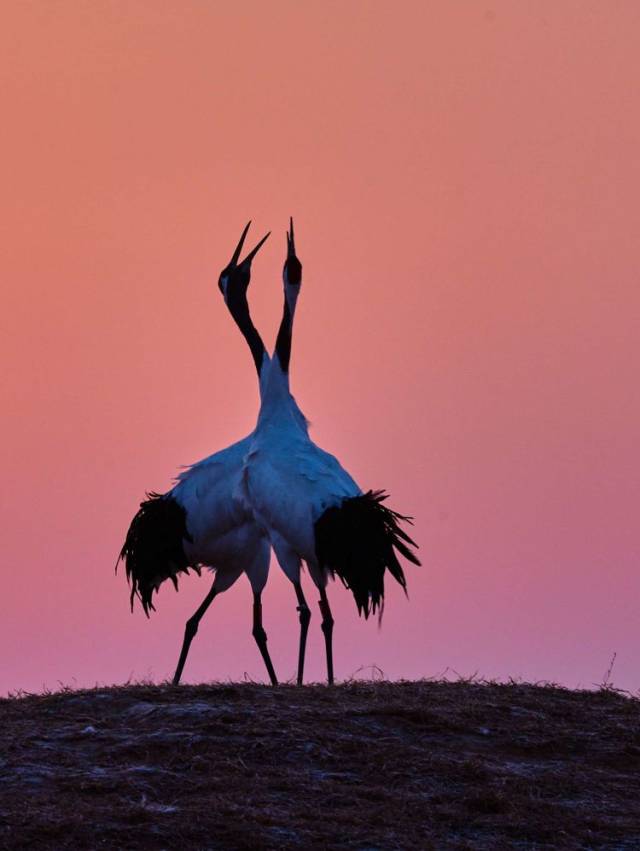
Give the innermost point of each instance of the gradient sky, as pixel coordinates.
(465, 180)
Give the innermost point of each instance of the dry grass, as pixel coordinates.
(360, 766)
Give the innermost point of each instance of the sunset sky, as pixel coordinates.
(465, 181)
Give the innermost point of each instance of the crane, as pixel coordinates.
(309, 505)
(199, 522)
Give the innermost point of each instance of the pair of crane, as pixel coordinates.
(274, 489)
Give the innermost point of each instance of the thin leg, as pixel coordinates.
(305, 617)
(327, 628)
(261, 638)
(190, 630)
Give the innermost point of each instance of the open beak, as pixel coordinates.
(236, 254)
(291, 246)
(253, 253)
(292, 266)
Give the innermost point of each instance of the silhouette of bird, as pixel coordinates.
(275, 488)
(199, 522)
(309, 505)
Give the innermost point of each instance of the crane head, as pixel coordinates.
(292, 272)
(235, 277)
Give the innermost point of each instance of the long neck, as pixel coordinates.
(239, 309)
(278, 405)
(283, 341)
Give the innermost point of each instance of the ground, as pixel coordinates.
(372, 765)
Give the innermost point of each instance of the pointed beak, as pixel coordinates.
(292, 266)
(236, 253)
(291, 246)
(247, 260)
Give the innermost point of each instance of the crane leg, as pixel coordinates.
(305, 617)
(261, 638)
(191, 627)
(327, 628)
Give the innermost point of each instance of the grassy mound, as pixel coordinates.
(360, 766)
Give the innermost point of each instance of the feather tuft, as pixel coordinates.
(357, 541)
(153, 549)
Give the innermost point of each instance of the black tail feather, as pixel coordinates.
(153, 550)
(357, 541)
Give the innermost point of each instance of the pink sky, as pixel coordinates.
(465, 180)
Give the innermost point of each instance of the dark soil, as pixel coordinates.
(360, 766)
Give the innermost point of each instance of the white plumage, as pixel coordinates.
(288, 481)
(225, 536)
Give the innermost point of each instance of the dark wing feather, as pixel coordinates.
(153, 549)
(357, 541)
